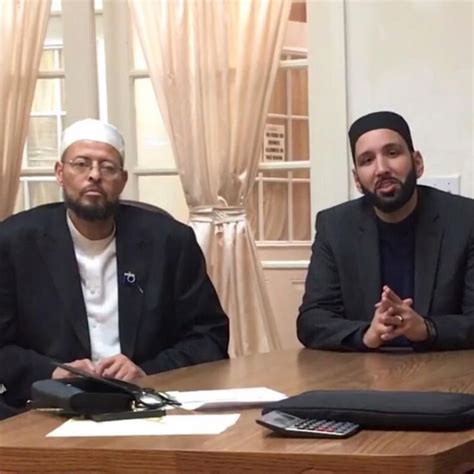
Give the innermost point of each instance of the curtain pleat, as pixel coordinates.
(213, 65)
(23, 25)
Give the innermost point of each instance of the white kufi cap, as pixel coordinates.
(95, 130)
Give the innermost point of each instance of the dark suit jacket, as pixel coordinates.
(7, 411)
(176, 321)
(344, 283)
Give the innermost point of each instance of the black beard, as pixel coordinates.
(389, 204)
(100, 211)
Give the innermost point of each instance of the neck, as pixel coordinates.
(92, 230)
(400, 214)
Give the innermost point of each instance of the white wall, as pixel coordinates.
(327, 104)
(415, 57)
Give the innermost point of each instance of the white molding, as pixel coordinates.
(41, 174)
(80, 60)
(286, 116)
(58, 74)
(294, 63)
(284, 165)
(294, 50)
(327, 99)
(284, 63)
(274, 244)
(120, 84)
(139, 73)
(48, 113)
(272, 179)
(155, 172)
(285, 264)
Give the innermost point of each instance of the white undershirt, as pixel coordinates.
(98, 271)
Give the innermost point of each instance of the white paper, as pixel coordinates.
(228, 398)
(166, 425)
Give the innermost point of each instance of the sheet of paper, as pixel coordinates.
(166, 425)
(228, 398)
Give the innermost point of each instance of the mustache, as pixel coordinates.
(93, 188)
(381, 182)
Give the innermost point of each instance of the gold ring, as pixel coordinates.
(400, 318)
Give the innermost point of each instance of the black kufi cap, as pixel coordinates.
(376, 121)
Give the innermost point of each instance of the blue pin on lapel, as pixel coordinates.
(130, 279)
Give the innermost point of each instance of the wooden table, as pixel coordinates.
(246, 447)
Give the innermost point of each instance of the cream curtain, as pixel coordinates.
(213, 65)
(23, 26)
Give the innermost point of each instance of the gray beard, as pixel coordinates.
(94, 212)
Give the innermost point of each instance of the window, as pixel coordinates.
(279, 204)
(279, 201)
(37, 182)
(155, 169)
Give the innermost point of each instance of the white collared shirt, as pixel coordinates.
(97, 264)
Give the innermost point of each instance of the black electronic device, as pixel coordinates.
(146, 397)
(289, 425)
(99, 398)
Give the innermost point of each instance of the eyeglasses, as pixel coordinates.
(107, 169)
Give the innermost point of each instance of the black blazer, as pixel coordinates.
(7, 411)
(344, 283)
(176, 321)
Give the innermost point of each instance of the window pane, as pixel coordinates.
(43, 192)
(300, 140)
(55, 6)
(252, 210)
(49, 96)
(42, 142)
(32, 193)
(299, 90)
(301, 174)
(278, 100)
(153, 146)
(275, 205)
(54, 33)
(20, 201)
(301, 210)
(165, 192)
(51, 60)
(275, 211)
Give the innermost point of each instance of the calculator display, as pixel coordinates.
(283, 419)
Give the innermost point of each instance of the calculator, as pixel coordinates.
(289, 425)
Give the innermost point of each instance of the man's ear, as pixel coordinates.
(124, 179)
(418, 164)
(357, 181)
(58, 171)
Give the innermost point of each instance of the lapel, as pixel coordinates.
(368, 259)
(134, 251)
(428, 238)
(56, 247)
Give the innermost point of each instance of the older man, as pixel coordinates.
(109, 288)
(395, 268)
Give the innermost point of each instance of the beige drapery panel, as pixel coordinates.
(213, 65)
(23, 25)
